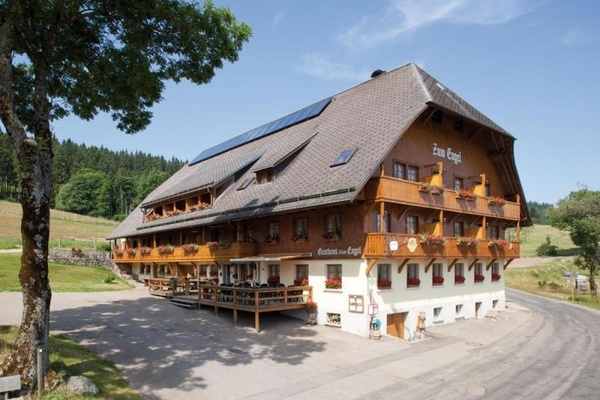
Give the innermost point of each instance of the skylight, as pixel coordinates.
(343, 157)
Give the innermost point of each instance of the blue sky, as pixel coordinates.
(532, 66)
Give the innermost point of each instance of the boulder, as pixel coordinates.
(82, 384)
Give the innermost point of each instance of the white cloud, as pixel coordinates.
(322, 66)
(404, 16)
(575, 37)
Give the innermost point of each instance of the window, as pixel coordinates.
(437, 311)
(494, 232)
(458, 124)
(412, 224)
(399, 170)
(334, 276)
(412, 173)
(300, 229)
(343, 157)
(437, 116)
(458, 183)
(458, 309)
(479, 272)
(459, 273)
(273, 234)
(273, 270)
(333, 224)
(412, 275)
(302, 271)
(265, 176)
(386, 222)
(496, 271)
(247, 233)
(246, 183)
(438, 274)
(459, 228)
(384, 280)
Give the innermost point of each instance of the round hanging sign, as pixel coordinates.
(393, 245)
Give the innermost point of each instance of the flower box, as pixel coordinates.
(413, 282)
(190, 248)
(499, 243)
(438, 280)
(331, 236)
(299, 238)
(301, 281)
(213, 245)
(165, 249)
(466, 241)
(384, 284)
(496, 277)
(466, 195)
(479, 278)
(333, 283)
(119, 252)
(459, 279)
(144, 250)
(431, 239)
(273, 280)
(429, 188)
(496, 201)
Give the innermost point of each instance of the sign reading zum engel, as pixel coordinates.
(330, 251)
(447, 153)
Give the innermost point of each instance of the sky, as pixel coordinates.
(532, 66)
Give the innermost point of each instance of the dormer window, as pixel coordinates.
(265, 176)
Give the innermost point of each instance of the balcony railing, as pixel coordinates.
(202, 253)
(399, 191)
(381, 245)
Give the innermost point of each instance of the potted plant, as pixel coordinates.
(496, 277)
(311, 310)
(212, 245)
(459, 279)
(118, 252)
(384, 284)
(190, 248)
(429, 188)
(273, 280)
(479, 278)
(438, 280)
(413, 282)
(144, 250)
(130, 251)
(331, 236)
(165, 249)
(299, 238)
(272, 239)
(333, 283)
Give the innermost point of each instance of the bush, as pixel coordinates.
(547, 249)
(110, 278)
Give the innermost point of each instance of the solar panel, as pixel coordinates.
(294, 118)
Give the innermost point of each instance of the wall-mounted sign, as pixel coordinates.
(356, 303)
(393, 245)
(411, 244)
(373, 309)
(455, 157)
(350, 251)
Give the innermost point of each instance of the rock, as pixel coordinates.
(82, 384)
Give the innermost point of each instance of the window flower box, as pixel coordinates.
(384, 284)
(496, 277)
(301, 281)
(299, 238)
(466, 241)
(459, 279)
(144, 250)
(213, 245)
(165, 249)
(431, 239)
(466, 195)
(438, 280)
(413, 282)
(331, 236)
(496, 201)
(479, 278)
(429, 188)
(333, 283)
(272, 240)
(273, 280)
(499, 243)
(119, 252)
(130, 251)
(190, 248)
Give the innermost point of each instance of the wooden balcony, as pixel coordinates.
(377, 245)
(399, 191)
(175, 254)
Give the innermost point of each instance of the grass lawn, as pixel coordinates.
(67, 355)
(63, 278)
(547, 280)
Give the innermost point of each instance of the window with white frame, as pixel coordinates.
(458, 183)
(412, 173)
(301, 228)
(384, 279)
(479, 272)
(333, 224)
(334, 276)
(273, 232)
(399, 170)
(438, 274)
(412, 275)
(301, 275)
(387, 218)
(459, 273)
(273, 270)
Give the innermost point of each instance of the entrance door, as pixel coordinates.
(395, 324)
(477, 307)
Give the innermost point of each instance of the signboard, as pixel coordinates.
(356, 303)
(373, 309)
(411, 244)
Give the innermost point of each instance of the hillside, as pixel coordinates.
(68, 229)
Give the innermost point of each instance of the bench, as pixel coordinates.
(10, 383)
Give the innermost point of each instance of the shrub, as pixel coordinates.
(110, 278)
(547, 249)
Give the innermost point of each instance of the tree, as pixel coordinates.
(83, 57)
(579, 213)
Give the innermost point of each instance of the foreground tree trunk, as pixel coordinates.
(35, 156)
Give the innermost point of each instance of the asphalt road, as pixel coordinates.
(535, 349)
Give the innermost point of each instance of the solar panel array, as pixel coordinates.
(291, 119)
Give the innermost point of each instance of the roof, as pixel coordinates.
(369, 118)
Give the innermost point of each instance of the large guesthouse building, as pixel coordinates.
(394, 202)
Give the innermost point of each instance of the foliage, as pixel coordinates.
(273, 280)
(431, 239)
(428, 187)
(333, 283)
(411, 281)
(496, 201)
(63, 278)
(479, 278)
(459, 279)
(500, 243)
(466, 241)
(496, 277)
(579, 213)
(538, 212)
(437, 280)
(384, 283)
(466, 194)
(547, 249)
(301, 281)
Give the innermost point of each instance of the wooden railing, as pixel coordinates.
(203, 253)
(399, 191)
(278, 297)
(380, 245)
